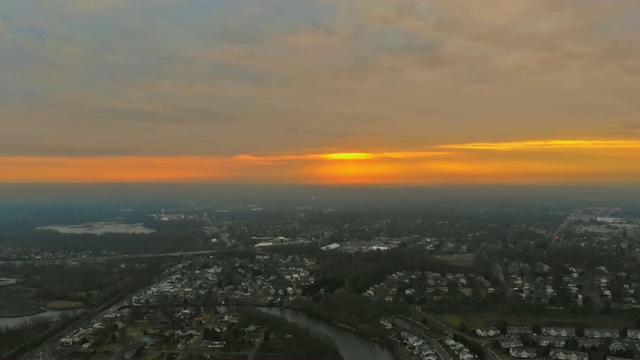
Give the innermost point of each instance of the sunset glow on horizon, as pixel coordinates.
(549, 144)
(549, 161)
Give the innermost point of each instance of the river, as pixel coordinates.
(351, 345)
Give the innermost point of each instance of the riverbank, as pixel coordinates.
(387, 344)
(43, 315)
(310, 313)
(344, 326)
(12, 309)
(352, 344)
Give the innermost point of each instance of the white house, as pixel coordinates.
(558, 331)
(488, 332)
(562, 354)
(522, 353)
(633, 334)
(66, 342)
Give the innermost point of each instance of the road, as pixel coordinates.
(557, 235)
(442, 353)
(497, 271)
(48, 347)
(254, 351)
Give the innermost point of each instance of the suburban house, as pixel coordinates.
(460, 350)
(488, 332)
(427, 352)
(588, 343)
(386, 323)
(64, 342)
(542, 340)
(617, 346)
(411, 339)
(559, 331)
(633, 334)
(508, 342)
(522, 353)
(562, 354)
(466, 356)
(602, 333)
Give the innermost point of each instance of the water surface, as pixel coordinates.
(351, 345)
(98, 228)
(49, 315)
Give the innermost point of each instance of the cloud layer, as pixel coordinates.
(215, 79)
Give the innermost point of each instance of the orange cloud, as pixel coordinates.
(589, 161)
(548, 144)
(346, 156)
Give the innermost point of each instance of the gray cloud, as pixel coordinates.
(221, 78)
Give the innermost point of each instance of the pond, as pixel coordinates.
(98, 228)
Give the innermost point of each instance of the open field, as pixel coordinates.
(485, 319)
(457, 259)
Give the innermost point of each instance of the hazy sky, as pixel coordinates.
(262, 90)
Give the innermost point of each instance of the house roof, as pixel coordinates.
(567, 354)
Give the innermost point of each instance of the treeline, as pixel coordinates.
(157, 242)
(15, 341)
(361, 271)
(12, 339)
(89, 283)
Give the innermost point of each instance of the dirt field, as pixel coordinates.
(64, 305)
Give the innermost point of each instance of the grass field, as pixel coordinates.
(485, 319)
(64, 305)
(405, 354)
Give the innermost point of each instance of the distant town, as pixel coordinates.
(252, 282)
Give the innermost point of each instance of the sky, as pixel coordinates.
(320, 91)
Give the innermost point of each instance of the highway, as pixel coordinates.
(48, 348)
